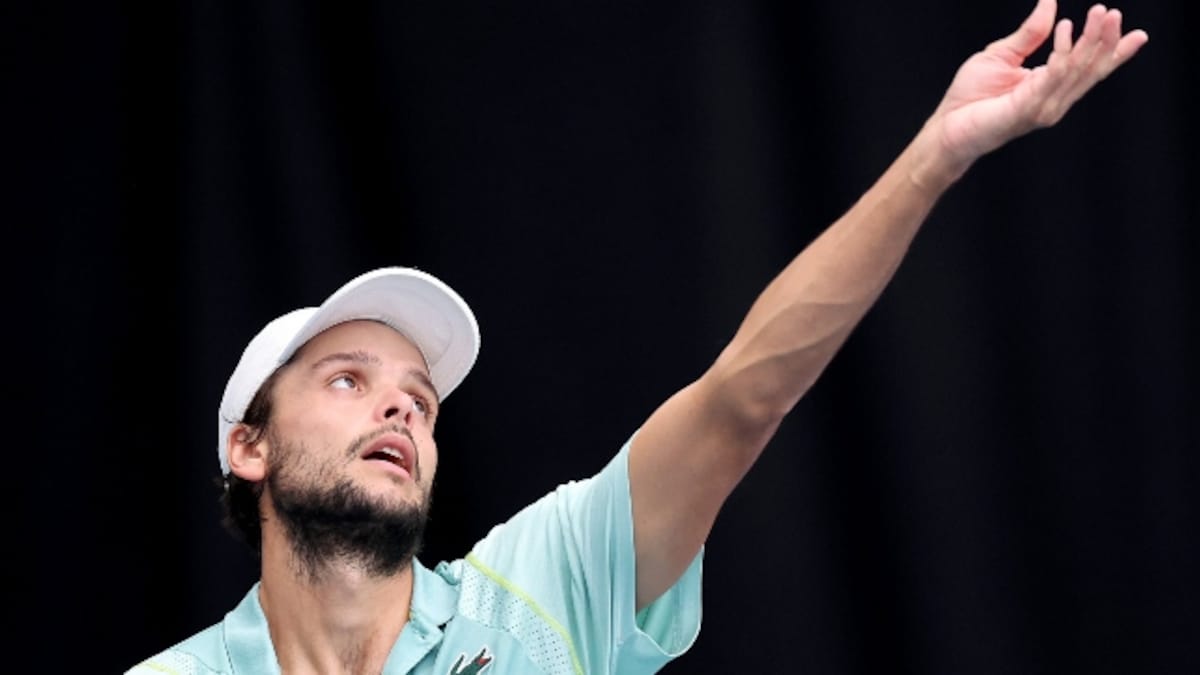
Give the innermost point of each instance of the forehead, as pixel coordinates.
(373, 337)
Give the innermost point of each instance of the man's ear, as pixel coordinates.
(247, 460)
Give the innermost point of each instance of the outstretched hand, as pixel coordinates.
(994, 98)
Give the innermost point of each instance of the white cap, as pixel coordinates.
(418, 305)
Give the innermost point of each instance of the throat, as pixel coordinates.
(346, 624)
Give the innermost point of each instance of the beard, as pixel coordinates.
(328, 519)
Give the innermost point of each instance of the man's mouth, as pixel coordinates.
(396, 449)
(389, 455)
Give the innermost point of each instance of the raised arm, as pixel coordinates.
(695, 448)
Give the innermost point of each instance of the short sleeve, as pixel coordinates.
(565, 568)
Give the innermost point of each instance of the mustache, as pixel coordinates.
(357, 445)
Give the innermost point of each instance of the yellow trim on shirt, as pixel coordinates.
(545, 616)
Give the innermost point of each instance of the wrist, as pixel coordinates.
(929, 165)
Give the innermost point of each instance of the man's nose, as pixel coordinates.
(397, 405)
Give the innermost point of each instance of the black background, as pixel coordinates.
(997, 474)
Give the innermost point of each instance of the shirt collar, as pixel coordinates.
(248, 639)
(434, 599)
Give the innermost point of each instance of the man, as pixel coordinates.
(326, 437)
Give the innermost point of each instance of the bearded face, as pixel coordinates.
(328, 518)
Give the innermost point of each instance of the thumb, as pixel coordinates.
(1033, 31)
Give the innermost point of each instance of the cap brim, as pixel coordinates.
(421, 307)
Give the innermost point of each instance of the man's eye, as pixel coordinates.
(421, 406)
(343, 382)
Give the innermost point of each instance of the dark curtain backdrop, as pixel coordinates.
(998, 474)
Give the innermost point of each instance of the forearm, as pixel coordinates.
(801, 319)
(696, 447)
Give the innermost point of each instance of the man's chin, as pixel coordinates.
(396, 500)
(393, 509)
(380, 532)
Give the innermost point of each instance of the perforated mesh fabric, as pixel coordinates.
(488, 603)
(170, 663)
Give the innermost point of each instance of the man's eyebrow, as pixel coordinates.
(356, 356)
(420, 376)
(367, 358)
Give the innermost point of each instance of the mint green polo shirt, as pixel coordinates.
(550, 591)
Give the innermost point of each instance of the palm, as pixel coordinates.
(995, 98)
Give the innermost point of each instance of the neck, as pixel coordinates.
(340, 620)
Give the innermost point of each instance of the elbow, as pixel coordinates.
(753, 397)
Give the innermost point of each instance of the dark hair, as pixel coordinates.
(241, 514)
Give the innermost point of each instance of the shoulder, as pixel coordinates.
(568, 510)
(200, 654)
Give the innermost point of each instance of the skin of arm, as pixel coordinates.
(695, 448)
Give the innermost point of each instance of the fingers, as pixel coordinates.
(1100, 42)
(1110, 29)
(1062, 37)
(1101, 48)
(1073, 69)
(1096, 30)
(1129, 45)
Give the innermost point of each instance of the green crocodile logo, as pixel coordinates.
(476, 665)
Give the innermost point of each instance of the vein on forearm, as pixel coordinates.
(804, 316)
